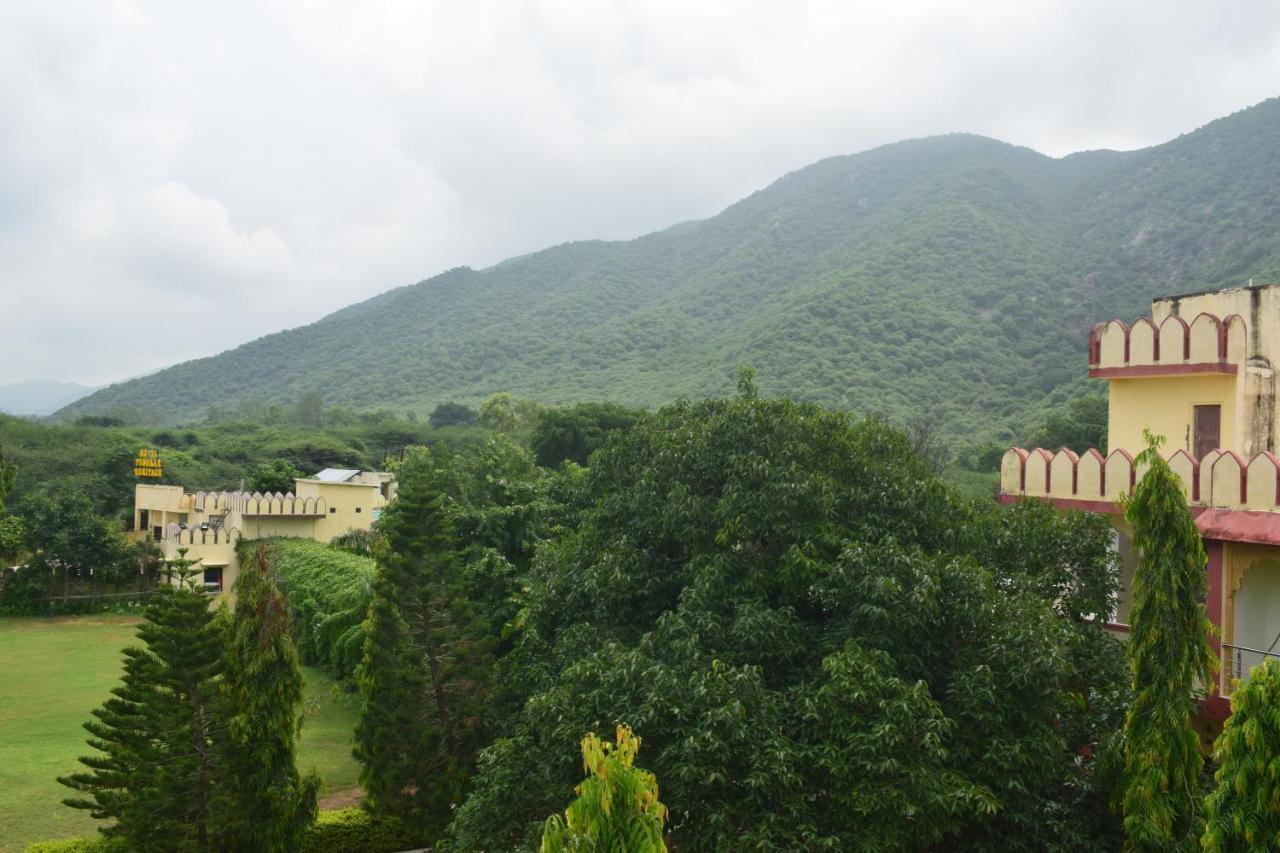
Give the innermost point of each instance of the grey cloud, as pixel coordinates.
(229, 172)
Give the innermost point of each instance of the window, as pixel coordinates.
(332, 510)
(213, 579)
(144, 519)
(357, 509)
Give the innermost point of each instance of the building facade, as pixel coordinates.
(209, 525)
(1200, 372)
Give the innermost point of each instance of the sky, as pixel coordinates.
(179, 178)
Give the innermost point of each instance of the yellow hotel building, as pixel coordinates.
(210, 524)
(1200, 372)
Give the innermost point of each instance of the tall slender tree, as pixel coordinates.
(160, 733)
(425, 668)
(1243, 811)
(1171, 660)
(265, 805)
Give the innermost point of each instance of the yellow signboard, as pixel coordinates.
(148, 464)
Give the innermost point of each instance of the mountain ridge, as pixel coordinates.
(951, 277)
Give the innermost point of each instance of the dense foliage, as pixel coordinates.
(155, 779)
(327, 592)
(575, 432)
(1171, 661)
(1243, 811)
(814, 635)
(266, 805)
(955, 275)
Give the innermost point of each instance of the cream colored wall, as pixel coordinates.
(1163, 404)
(1252, 606)
(350, 506)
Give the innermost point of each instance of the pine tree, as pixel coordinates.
(123, 732)
(160, 732)
(1243, 811)
(423, 674)
(1171, 661)
(617, 806)
(265, 805)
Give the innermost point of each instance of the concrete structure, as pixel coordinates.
(210, 524)
(1200, 372)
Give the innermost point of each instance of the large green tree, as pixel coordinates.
(160, 735)
(427, 664)
(1242, 814)
(577, 431)
(1171, 661)
(265, 804)
(814, 633)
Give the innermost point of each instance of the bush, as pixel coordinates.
(353, 830)
(350, 830)
(327, 591)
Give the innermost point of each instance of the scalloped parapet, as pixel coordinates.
(1208, 344)
(1090, 481)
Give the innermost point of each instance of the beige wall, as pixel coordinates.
(1163, 404)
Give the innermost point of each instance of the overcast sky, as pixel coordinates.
(179, 178)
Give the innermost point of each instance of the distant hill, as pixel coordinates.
(952, 278)
(40, 396)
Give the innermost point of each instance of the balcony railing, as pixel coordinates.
(1221, 478)
(1238, 662)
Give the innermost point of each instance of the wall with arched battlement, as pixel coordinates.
(1220, 479)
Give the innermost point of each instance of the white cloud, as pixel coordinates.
(230, 170)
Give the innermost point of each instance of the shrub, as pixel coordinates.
(353, 830)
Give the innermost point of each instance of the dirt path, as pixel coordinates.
(341, 799)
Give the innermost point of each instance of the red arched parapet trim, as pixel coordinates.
(1091, 475)
(1187, 467)
(1138, 336)
(1039, 479)
(1175, 340)
(1207, 338)
(1013, 471)
(1235, 337)
(1262, 481)
(1063, 468)
(1113, 344)
(1121, 460)
(1230, 457)
(1095, 343)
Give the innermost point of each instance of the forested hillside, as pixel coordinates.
(952, 278)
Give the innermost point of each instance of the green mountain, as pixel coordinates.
(953, 278)
(39, 396)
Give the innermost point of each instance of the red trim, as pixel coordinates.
(1102, 469)
(1239, 525)
(1240, 466)
(1216, 707)
(1213, 603)
(1118, 627)
(1138, 370)
(1105, 507)
(1155, 338)
(1195, 472)
(1186, 334)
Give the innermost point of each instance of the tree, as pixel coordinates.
(1171, 661)
(1079, 425)
(266, 805)
(577, 431)
(766, 584)
(498, 413)
(452, 414)
(617, 806)
(161, 766)
(1242, 813)
(68, 540)
(8, 478)
(310, 409)
(278, 475)
(425, 672)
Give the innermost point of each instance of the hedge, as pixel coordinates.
(349, 830)
(327, 591)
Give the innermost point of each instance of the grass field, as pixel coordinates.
(56, 671)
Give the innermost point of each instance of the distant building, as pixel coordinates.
(209, 524)
(1199, 371)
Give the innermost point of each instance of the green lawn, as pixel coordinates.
(56, 671)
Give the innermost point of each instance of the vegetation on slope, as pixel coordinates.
(955, 277)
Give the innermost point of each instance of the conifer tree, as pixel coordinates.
(1243, 811)
(1171, 661)
(265, 805)
(423, 677)
(160, 733)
